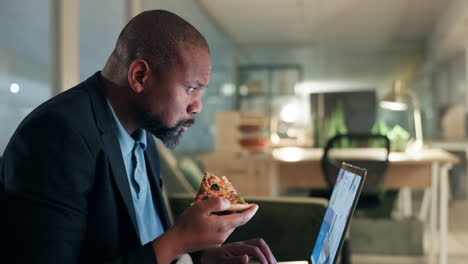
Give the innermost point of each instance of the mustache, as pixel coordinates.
(185, 122)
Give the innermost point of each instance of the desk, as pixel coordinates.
(405, 170)
(300, 167)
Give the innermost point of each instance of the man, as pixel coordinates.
(80, 176)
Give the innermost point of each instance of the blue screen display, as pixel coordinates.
(336, 216)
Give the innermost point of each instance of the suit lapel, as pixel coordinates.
(152, 168)
(120, 175)
(108, 129)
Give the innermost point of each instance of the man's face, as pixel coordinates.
(172, 97)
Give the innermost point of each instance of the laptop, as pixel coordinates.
(343, 200)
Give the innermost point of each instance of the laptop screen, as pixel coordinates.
(334, 224)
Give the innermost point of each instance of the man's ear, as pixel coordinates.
(138, 73)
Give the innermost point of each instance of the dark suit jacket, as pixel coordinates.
(64, 190)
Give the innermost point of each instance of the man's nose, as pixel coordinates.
(196, 106)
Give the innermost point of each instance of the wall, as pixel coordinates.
(24, 59)
(450, 34)
(345, 69)
(25, 52)
(350, 67)
(100, 25)
(445, 65)
(444, 86)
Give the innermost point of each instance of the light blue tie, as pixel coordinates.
(139, 182)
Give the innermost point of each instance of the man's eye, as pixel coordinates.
(192, 89)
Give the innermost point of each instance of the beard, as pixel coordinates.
(170, 136)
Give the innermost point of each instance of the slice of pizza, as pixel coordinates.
(214, 186)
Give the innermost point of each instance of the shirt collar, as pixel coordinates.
(126, 141)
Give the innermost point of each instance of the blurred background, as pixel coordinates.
(287, 76)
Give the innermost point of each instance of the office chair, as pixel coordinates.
(368, 151)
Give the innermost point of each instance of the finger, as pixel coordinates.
(260, 243)
(254, 252)
(238, 219)
(216, 204)
(244, 259)
(223, 213)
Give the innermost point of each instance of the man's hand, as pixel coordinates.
(239, 253)
(203, 229)
(199, 227)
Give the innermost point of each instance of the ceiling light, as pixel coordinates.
(289, 113)
(14, 88)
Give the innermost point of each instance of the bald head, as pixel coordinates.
(158, 37)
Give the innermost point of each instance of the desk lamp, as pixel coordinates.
(394, 101)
